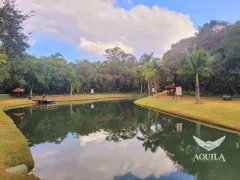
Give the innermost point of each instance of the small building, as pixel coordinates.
(171, 90)
(18, 91)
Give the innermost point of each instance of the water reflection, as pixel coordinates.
(96, 158)
(117, 140)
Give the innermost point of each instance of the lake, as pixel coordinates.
(118, 140)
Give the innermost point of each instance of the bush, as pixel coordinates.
(189, 93)
(206, 94)
(6, 96)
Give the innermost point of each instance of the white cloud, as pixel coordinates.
(94, 25)
(51, 30)
(100, 158)
(98, 47)
(98, 137)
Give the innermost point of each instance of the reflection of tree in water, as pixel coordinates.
(182, 147)
(122, 134)
(118, 119)
(154, 130)
(121, 120)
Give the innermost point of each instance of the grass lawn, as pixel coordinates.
(14, 149)
(83, 97)
(214, 111)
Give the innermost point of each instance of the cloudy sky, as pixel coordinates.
(85, 28)
(92, 157)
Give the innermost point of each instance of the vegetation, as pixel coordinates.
(218, 42)
(14, 148)
(212, 55)
(208, 62)
(197, 63)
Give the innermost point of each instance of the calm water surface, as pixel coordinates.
(120, 141)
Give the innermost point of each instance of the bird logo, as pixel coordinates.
(209, 145)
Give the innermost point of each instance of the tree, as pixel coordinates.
(122, 66)
(12, 38)
(74, 81)
(158, 76)
(148, 68)
(225, 65)
(208, 37)
(3, 56)
(197, 63)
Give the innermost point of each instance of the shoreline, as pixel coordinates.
(158, 104)
(14, 149)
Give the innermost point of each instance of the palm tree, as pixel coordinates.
(74, 80)
(157, 65)
(148, 68)
(197, 63)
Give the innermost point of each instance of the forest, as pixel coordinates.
(211, 58)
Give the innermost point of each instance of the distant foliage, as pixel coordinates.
(222, 41)
(190, 93)
(212, 54)
(12, 38)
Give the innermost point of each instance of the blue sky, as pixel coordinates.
(200, 11)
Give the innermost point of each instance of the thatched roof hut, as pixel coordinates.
(18, 90)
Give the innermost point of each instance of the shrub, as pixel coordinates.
(189, 93)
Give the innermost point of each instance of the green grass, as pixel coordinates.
(213, 111)
(14, 149)
(83, 97)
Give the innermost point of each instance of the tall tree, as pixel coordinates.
(226, 64)
(74, 81)
(197, 63)
(148, 67)
(12, 37)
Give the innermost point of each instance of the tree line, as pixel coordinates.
(208, 62)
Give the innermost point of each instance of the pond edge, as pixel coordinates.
(192, 119)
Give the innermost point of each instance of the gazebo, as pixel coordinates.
(18, 90)
(171, 89)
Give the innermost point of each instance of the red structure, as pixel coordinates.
(18, 90)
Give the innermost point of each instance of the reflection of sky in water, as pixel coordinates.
(95, 158)
(178, 175)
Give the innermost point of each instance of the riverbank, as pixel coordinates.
(84, 97)
(224, 114)
(14, 149)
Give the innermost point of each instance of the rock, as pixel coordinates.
(18, 169)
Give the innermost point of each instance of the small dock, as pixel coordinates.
(44, 101)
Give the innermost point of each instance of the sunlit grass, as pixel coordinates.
(14, 149)
(214, 111)
(83, 97)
